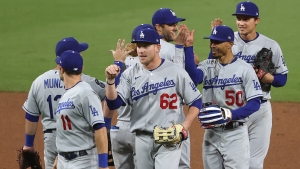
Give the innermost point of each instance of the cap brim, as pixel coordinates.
(176, 21)
(82, 47)
(214, 38)
(57, 59)
(144, 41)
(244, 14)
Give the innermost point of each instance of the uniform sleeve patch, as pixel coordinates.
(100, 83)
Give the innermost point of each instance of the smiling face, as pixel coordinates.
(166, 30)
(147, 52)
(246, 24)
(219, 48)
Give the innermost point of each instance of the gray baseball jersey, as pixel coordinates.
(78, 110)
(156, 96)
(247, 52)
(124, 111)
(169, 52)
(45, 93)
(237, 82)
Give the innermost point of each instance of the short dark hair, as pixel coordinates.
(161, 25)
(68, 72)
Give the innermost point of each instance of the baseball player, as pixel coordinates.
(165, 21)
(122, 140)
(232, 84)
(81, 133)
(43, 97)
(156, 97)
(247, 43)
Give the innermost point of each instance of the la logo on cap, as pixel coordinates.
(142, 35)
(173, 13)
(242, 7)
(215, 31)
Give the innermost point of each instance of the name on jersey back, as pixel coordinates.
(53, 83)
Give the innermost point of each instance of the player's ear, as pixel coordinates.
(256, 20)
(230, 44)
(158, 47)
(158, 28)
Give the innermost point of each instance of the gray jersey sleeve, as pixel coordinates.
(123, 88)
(188, 89)
(31, 105)
(278, 59)
(92, 109)
(179, 58)
(97, 85)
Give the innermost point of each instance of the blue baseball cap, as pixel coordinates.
(165, 16)
(247, 8)
(221, 33)
(71, 60)
(147, 36)
(69, 43)
(138, 28)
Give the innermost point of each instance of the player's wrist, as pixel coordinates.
(102, 160)
(29, 139)
(110, 81)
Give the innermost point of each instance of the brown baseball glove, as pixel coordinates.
(27, 158)
(132, 47)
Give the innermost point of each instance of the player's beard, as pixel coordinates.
(218, 53)
(167, 36)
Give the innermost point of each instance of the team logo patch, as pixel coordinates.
(100, 83)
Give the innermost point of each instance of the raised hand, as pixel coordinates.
(111, 72)
(180, 38)
(216, 22)
(120, 53)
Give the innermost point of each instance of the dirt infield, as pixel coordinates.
(284, 150)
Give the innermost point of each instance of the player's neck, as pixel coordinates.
(71, 80)
(154, 64)
(226, 59)
(249, 37)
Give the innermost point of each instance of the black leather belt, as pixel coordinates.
(72, 155)
(49, 130)
(263, 101)
(233, 124)
(144, 133)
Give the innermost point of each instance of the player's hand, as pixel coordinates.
(28, 148)
(112, 71)
(120, 53)
(190, 38)
(103, 168)
(55, 163)
(180, 38)
(216, 22)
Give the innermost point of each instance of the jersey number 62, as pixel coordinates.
(168, 101)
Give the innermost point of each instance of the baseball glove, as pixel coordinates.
(27, 158)
(214, 116)
(170, 135)
(110, 156)
(131, 47)
(262, 65)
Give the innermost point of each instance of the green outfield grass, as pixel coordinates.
(30, 30)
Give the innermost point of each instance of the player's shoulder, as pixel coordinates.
(242, 64)
(50, 74)
(92, 81)
(208, 62)
(84, 89)
(166, 44)
(268, 41)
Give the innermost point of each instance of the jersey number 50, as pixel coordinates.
(165, 103)
(234, 98)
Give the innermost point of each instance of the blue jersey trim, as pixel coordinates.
(198, 97)
(107, 122)
(98, 126)
(279, 80)
(27, 111)
(246, 41)
(74, 85)
(222, 86)
(32, 118)
(153, 91)
(197, 103)
(254, 96)
(179, 46)
(162, 61)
